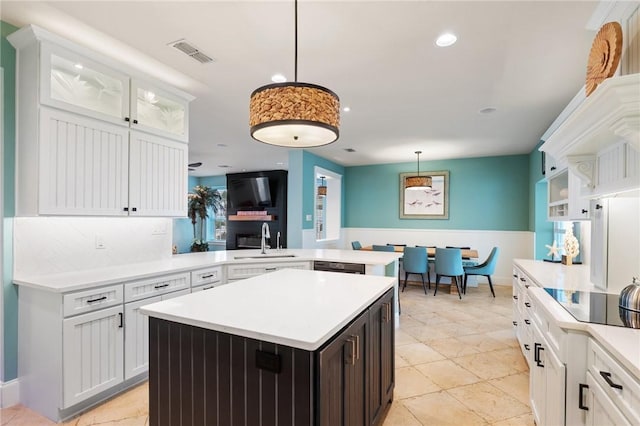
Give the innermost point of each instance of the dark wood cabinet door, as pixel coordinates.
(381, 357)
(343, 391)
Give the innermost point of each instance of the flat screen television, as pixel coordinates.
(249, 193)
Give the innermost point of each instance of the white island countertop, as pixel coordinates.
(297, 308)
(622, 342)
(79, 280)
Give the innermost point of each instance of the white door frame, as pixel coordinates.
(1, 233)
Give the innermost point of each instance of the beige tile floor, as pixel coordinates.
(457, 363)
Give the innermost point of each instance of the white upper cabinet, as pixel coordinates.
(75, 83)
(156, 111)
(95, 138)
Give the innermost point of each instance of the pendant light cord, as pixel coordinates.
(295, 12)
(418, 152)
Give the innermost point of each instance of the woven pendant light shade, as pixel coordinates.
(294, 114)
(418, 182)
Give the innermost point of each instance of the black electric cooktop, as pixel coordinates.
(594, 307)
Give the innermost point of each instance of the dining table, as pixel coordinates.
(431, 251)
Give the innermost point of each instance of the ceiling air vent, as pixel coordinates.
(189, 49)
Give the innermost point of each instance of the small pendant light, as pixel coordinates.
(418, 182)
(322, 189)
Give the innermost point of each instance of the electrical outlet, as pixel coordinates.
(160, 229)
(309, 218)
(100, 242)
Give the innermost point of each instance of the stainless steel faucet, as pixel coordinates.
(265, 235)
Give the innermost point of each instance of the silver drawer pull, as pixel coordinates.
(161, 286)
(208, 287)
(97, 300)
(209, 276)
(270, 269)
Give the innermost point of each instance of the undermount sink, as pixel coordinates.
(265, 256)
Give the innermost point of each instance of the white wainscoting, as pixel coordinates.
(46, 245)
(9, 393)
(512, 244)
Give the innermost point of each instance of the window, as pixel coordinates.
(217, 224)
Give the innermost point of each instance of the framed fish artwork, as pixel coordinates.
(425, 196)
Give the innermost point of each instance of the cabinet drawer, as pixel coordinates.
(609, 374)
(155, 286)
(248, 270)
(91, 300)
(205, 287)
(206, 276)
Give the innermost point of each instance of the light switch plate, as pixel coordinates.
(309, 218)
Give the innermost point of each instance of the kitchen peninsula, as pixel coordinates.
(83, 337)
(289, 347)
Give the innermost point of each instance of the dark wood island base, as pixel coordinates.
(204, 377)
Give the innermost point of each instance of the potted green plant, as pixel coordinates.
(200, 200)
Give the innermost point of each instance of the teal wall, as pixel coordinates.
(538, 222)
(10, 292)
(301, 192)
(487, 193)
(310, 162)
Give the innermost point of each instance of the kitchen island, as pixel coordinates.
(289, 347)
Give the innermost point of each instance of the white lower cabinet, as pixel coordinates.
(136, 339)
(601, 411)
(573, 379)
(92, 353)
(547, 383)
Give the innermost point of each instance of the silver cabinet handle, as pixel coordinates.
(351, 359)
(357, 337)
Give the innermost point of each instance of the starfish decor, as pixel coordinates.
(553, 250)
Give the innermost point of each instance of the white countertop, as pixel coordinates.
(79, 280)
(622, 342)
(557, 275)
(297, 308)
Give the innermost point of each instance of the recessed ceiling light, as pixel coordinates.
(79, 66)
(279, 163)
(346, 109)
(446, 39)
(350, 150)
(278, 78)
(222, 145)
(488, 110)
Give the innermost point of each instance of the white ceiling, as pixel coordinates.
(527, 59)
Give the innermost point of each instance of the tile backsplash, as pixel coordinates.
(46, 245)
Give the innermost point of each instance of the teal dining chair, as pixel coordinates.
(356, 245)
(448, 263)
(383, 248)
(486, 268)
(414, 261)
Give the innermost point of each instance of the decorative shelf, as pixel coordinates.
(253, 218)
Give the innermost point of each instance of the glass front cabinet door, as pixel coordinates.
(72, 82)
(154, 110)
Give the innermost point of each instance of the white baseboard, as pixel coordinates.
(9, 393)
